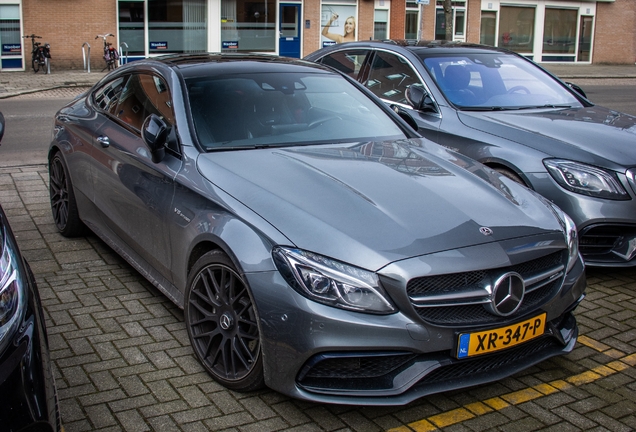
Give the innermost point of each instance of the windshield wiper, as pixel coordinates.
(512, 108)
(490, 108)
(546, 106)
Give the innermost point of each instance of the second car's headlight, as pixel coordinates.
(332, 282)
(585, 179)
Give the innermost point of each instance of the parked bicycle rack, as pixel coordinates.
(87, 56)
(122, 54)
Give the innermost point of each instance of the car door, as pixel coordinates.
(132, 193)
(388, 75)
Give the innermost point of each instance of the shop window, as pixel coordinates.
(248, 26)
(338, 23)
(10, 39)
(177, 26)
(487, 32)
(381, 24)
(559, 31)
(131, 26)
(516, 28)
(412, 20)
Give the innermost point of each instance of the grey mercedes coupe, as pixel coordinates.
(316, 243)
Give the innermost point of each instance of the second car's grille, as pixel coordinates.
(458, 299)
(607, 243)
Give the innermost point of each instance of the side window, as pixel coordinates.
(144, 94)
(390, 76)
(107, 96)
(348, 62)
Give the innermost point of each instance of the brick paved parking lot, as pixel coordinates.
(123, 360)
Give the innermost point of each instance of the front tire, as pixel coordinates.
(35, 63)
(222, 323)
(63, 204)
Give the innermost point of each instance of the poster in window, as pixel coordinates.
(338, 24)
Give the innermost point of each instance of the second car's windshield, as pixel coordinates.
(283, 109)
(496, 81)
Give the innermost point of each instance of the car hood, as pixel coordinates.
(595, 135)
(373, 203)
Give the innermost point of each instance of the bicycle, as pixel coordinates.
(111, 55)
(40, 54)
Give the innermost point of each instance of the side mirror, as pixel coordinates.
(419, 98)
(1, 126)
(577, 89)
(154, 132)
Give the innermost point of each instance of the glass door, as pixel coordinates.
(289, 30)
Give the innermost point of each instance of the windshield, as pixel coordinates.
(496, 81)
(284, 109)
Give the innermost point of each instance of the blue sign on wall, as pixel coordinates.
(158, 45)
(230, 44)
(11, 48)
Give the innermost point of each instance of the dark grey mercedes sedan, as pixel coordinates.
(505, 111)
(316, 243)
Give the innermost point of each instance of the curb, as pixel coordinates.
(23, 92)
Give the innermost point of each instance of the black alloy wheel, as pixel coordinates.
(222, 323)
(63, 204)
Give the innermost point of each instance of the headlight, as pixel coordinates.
(585, 179)
(571, 235)
(12, 286)
(332, 282)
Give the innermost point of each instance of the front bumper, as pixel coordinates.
(607, 228)
(323, 354)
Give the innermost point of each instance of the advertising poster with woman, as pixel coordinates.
(338, 24)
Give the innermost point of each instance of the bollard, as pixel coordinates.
(87, 58)
(121, 53)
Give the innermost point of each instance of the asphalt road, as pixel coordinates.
(28, 125)
(620, 97)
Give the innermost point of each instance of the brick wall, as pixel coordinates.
(397, 18)
(311, 36)
(614, 34)
(473, 23)
(428, 21)
(366, 9)
(66, 25)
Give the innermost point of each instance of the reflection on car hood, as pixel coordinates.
(595, 135)
(373, 203)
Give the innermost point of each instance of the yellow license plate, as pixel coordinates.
(488, 341)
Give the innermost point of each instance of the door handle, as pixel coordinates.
(104, 141)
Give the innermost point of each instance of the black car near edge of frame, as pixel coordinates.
(316, 243)
(28, 398)
(505, 111)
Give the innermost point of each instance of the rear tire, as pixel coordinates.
(222, 323)
(63, 204)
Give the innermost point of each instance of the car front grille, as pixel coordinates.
(606, 243)
(459, 299)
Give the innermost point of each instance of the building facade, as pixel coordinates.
(573, 31)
